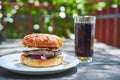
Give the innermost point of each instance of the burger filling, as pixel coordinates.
(42, 54)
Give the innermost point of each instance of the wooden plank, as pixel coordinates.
(103, 27)
(111, 28)
(2, 19)
(12, 4)
(29, 23)
(54, 25)
(100, 28)
(115, 28)
(97, 26)
(107, 25)
(65, 28)
(16, 23)
(118, 29)
(42, 22)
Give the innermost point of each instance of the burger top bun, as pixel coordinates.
(40, 40)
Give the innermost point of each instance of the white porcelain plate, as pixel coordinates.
(12, 63)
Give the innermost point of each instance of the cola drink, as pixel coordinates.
(84, 39)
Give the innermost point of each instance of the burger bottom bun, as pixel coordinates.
(41, 63)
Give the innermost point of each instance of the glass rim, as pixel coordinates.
(84, 19)
(85, 16)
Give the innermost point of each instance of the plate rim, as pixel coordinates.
(37, 70)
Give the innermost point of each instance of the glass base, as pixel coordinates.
(85, 59)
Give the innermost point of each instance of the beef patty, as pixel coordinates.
(43, 52)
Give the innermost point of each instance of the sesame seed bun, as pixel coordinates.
(42, 41)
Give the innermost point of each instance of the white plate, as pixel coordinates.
(12, 63)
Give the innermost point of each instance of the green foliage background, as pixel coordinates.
(63, 29)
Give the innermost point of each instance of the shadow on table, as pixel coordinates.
(104, 57)
(12, 75)
(103, 60)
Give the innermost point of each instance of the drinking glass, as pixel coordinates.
(84, 28)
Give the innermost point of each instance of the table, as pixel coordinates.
(105, 65)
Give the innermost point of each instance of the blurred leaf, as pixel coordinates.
(33, 12)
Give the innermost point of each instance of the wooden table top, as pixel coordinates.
(105, 65)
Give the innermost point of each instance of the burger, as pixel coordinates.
(42, 50)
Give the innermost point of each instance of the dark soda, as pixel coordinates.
(84, 39)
